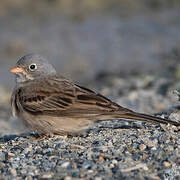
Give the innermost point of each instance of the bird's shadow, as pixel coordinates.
(10, 137)
(124, 126)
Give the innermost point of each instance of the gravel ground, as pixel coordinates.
(110, 150)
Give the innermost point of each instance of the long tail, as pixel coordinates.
(146, 118)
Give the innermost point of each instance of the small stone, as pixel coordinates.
(101, 158)
(13, 172)
(90, 171)
(10, 155)
(168, 140)
(170, 148)
(153, 148)
(114, 161)
(144, 156)
(166, 164)
(142, 147)
(47, 175)
(98, 178)
(153, 143)
(65, 164)
(26, 150)
(23, 171)
(89, 155)
(3, 156)
(29, 178)
(112, 166)
(36, 171)
(110, 143)
(67, 178)
(177, 161)
(175, 115)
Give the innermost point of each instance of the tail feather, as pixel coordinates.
(147, 118)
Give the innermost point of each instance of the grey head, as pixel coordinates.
(32, 66)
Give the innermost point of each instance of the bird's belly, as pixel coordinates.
(44, 124)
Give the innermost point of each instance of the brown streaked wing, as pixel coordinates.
(53, 96)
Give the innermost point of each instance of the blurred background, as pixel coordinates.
(89, 40)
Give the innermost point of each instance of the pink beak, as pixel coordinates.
(16, 70)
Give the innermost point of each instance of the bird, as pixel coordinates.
(48, 103)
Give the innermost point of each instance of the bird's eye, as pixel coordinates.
(33, 67)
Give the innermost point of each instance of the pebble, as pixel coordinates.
(175, 115)
(65, 164)
(166, 164)
(142, 147)
(114, 161)
(67, 178)
(153, 144)
(47, 175)
(13, 172)
(101, 158)
(98, 178)
(3, 156)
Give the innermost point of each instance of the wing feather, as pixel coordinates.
(62, 97)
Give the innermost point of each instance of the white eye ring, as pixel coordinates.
(33, 67)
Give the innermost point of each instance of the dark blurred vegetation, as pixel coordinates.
(81, 8)
(78, 36)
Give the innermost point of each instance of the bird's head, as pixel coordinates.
(32, 66)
